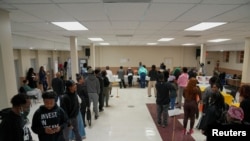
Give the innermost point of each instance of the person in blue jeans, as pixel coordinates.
(173, 91)
(142, 73)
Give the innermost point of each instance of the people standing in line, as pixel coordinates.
(165, 72)
(121, 74)
(100, 94)
(153, 76)
(93, 88)
(177, 72)
(182, 82)
(162, 101)
(32, 78)
(83, 94)
(43, 78)
(111, 79)
(58, 85)
(173, 92)
(142, 72)
(244, 99)
(70, 104)
(190, 95)
(105, 92)
(49, 120)
(84, 70)
(130, 74)
(13, 126)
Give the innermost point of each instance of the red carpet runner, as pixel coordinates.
(173, 132)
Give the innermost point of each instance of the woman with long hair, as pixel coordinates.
(190, 104)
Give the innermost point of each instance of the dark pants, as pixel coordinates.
(190, 109)
(83, 112)
(45, 85)
(162, 114)
(122, 83)
(130, 79)
(101, 101)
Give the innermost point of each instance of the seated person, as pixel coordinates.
(31, 91)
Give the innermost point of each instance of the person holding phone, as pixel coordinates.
(49, 120)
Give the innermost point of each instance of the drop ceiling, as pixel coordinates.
(131, 23)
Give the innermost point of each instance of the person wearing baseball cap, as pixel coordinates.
(70, 104)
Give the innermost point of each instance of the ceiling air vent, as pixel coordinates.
(192, 36)
(126, 1)
(124, 35)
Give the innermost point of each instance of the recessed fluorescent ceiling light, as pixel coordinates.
(104, 44)
(70, 25)
(188, 44)
(204, 26)
(95, 39)
(166, 39)
(151, 43)
(218, 40)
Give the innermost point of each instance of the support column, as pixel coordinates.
(55, 63)
(246, 63)
(73, 57)
(203, 53)
(92, 56)
(8, 87)
(203, 59)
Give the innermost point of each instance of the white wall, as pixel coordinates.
(115, 56)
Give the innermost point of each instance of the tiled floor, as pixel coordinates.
(128, 119)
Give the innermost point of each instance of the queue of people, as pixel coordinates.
(57, 122)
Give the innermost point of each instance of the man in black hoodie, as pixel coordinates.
(70, 104)
(13, 121)
(49, 120)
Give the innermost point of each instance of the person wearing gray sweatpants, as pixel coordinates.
(93, 88)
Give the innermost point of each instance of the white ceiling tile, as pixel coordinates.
(125, 25)
(166, 12)
(144, 32)
(124, 32)
(28, 1)
(73, 1)
(48, 12)
(144, 22)
(43, 26)
(19, 16)
(177, 1)
(86, 12)
(97, 25)
(126, 11)
(233, 15)
(209, 11)
(152, 25)
(225, 1)
(178, 25)
(18, 27)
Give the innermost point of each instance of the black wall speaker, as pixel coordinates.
(87, 51)
(198, 52)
